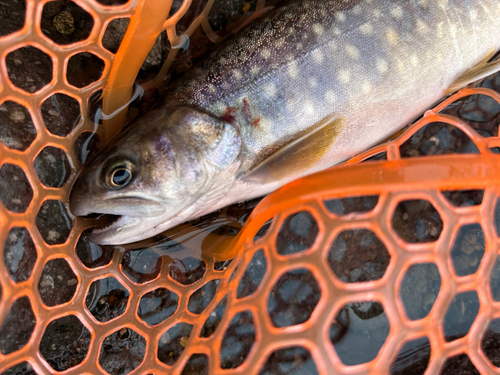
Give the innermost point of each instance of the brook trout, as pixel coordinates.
(307, 86)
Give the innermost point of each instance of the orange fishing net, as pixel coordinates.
(387, 263)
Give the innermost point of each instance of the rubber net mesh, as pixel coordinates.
(386, 264)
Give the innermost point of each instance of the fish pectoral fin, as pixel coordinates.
(477, 72)
(298, 155)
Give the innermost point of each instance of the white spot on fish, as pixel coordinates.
(318, 29)
(308, 108)
(382, 65)
(352, 51)
(212, 88)
(333, 46)
(366, 87)
(317, 56)
(356, 10)
(443, 4)
(414, 60)
(377, 13)
(237, 74)
(344, 76)
(366, 28)
(265, 53)
(423, 3)
(293, 69)
(330, 97)
(220, 106)
(340, 16)
(392, 36)
(270, 89)
(280, 42)
(473, 14)
(313, 81)
(255, 70)
(336, 31)
(422, 27)
(299, 46)
(397, 12)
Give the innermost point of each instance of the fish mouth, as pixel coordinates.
(124, 229)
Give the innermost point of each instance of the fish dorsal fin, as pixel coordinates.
(298, 155)
(477, 72)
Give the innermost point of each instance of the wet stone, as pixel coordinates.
(122, 351)
(23, 368)
(52, 167)
(438, 139)
(413, 357)
(57, 283)
(200, 299)
(358, 332)
(173, 342)
(460, 315)
(114, 34)
(468, 249)
(142, 265)
(490, 342)
(214, 319)
(238, 340)
(225, 12)
(417, 221)
(53, 222)
(17, 130)
(65, 343)
(157, 306)
(19, 254)
(222, 265)
(263, 230)
(464, 198)
(112, 2)
(61, 113)
(87, 146)
(481, 112)
(346, 206)
(357, 256)
(155, 59)
(292, 360)
(188, 270)
(479, 108)
(459, 364)
(496, 218)
(84, 69)
(91, 254)
(293, 298)
(297, 233)
(197, 364)
(495, 281)
(12, 14)
(65, 22)
(106, 299)
(15, 190)
(29, 68)
(253, 276)
(382, 156)
(17, 326)
(419, 289)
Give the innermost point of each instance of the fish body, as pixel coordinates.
(353, 71)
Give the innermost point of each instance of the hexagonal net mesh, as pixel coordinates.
(387, 263)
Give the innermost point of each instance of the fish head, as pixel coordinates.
(154, 171)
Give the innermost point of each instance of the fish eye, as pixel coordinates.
(119, 175)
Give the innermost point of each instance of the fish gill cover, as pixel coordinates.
(364, 269)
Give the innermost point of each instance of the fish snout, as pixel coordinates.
(78, 197)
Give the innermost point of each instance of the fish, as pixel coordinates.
(303, 88)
